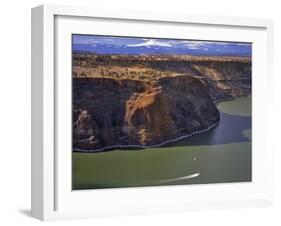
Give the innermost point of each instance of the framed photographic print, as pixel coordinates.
(137, 112)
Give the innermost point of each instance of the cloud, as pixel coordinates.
(193, 47)
(151, 42)
(195, 44)
(205, 43)
(243, 44)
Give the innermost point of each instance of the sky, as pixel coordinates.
(131, 45)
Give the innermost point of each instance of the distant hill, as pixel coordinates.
(208, 49)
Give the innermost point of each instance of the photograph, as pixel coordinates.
(150, 111)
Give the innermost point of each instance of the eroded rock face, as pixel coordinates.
(147, 117)
(226, 79)
(130, 112)
(146, 100)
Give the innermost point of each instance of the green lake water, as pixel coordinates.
(222, 154)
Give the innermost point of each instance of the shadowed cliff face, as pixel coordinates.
(226, 79)
(111, 112)
(147, 100)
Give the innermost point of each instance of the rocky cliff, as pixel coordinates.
(110, 112)
(147, 100)
(226, 79)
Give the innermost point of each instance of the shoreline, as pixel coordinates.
(146, 146)
(105, 149)
(218, 101)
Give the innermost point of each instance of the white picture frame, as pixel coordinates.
(52, 197)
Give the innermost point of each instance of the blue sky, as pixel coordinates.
(128, 45)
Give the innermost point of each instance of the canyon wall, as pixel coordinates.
(110, 111)
(126, 112)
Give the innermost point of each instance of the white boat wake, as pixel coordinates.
(179, 178)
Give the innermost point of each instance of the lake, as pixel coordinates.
(222, 154)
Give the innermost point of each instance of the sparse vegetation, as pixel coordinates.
(145, 68)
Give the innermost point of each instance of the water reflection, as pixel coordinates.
(229, 130)
(222, 154)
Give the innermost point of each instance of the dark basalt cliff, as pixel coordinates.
(226, 79)
(148, 100)
(109, 112)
